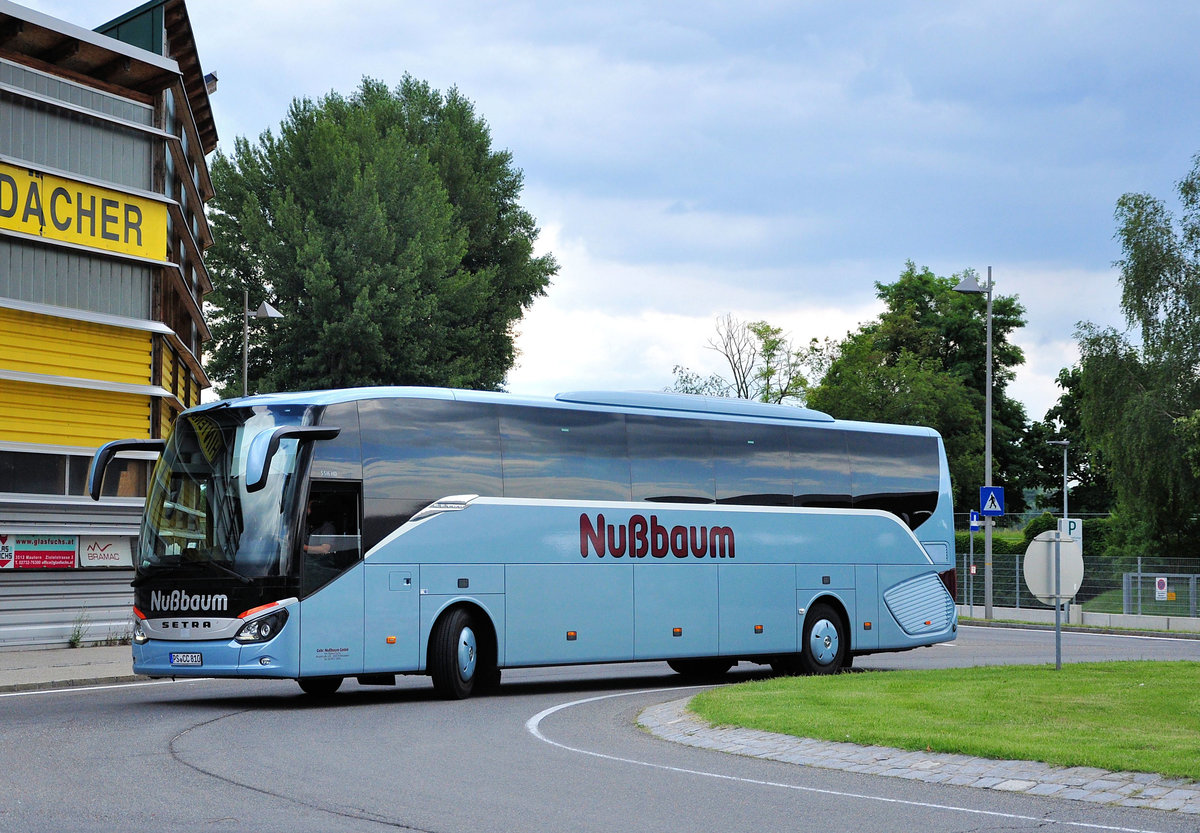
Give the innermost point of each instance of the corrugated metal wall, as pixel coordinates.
(45, 608)
(72, 142)
(64, 278)
(77, 94)
(52, 346)
(52, 415)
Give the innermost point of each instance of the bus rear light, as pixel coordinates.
(138, 613)
(950, 579)
(140, 637)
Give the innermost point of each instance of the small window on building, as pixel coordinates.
(123, 478)
(32, 473)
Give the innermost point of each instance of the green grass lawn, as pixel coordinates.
(1123, 716)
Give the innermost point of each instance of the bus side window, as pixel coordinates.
(332, 540)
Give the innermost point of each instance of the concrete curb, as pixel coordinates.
(673, 722)
(49, 685)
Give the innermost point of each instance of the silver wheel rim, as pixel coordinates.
(467, 654)
(823, 642)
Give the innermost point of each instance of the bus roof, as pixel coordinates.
(652, 402)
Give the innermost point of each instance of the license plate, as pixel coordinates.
(187, 659)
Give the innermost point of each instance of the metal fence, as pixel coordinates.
(1143, 587)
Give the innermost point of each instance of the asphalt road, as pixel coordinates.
(557, 750)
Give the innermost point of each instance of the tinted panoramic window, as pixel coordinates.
(561, 454)
(751, 464)
(896, 473)
(670, 460)
(417, 450)
(820, 468)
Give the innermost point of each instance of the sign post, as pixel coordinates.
(1054, 573)
(974, 527)
(991, 505)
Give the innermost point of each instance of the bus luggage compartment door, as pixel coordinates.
(392, 635)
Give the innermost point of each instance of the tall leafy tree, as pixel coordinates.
(1090, 488)
(388, 232)
(924, 362)
(1140, 391)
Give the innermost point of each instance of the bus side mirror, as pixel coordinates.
(263, 447)
(106, 452)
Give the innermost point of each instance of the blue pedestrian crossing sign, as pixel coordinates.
(991, 501)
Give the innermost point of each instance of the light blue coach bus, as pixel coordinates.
(380, 531)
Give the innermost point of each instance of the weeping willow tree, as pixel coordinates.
(1140, 389)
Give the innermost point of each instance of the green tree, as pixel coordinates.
(924, 362)
(1140, 393)
(387, 230)
(1090, 489)
(764, 364)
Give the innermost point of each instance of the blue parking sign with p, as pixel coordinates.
(991, 501)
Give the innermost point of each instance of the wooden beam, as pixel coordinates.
(10, 29)
(115, 68)
(67, 48)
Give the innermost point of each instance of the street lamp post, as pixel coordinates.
(264, 311)
(969, 285)
(1058, 562)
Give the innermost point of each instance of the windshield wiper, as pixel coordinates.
(222, 568)
(182, 565)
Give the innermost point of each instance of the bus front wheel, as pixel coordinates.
(454, 655)
(824, 645)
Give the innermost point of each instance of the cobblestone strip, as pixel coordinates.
(671, 721)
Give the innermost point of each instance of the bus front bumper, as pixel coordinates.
(278, 657)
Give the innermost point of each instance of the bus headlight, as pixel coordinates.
(263, 628)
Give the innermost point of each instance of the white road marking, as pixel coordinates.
(83, 688)
(534, 727)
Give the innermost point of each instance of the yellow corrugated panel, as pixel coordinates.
(170, 371)
(167, 415)
(52, 415)
(65, 347)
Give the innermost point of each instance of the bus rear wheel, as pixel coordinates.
(320, 686)
(824, 646)
(454, 661)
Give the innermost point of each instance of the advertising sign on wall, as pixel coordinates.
(105, 551)
(75, 212)
(39, 552)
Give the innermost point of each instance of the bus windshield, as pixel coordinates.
(199, 514)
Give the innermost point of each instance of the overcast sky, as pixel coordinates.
(769, 159)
